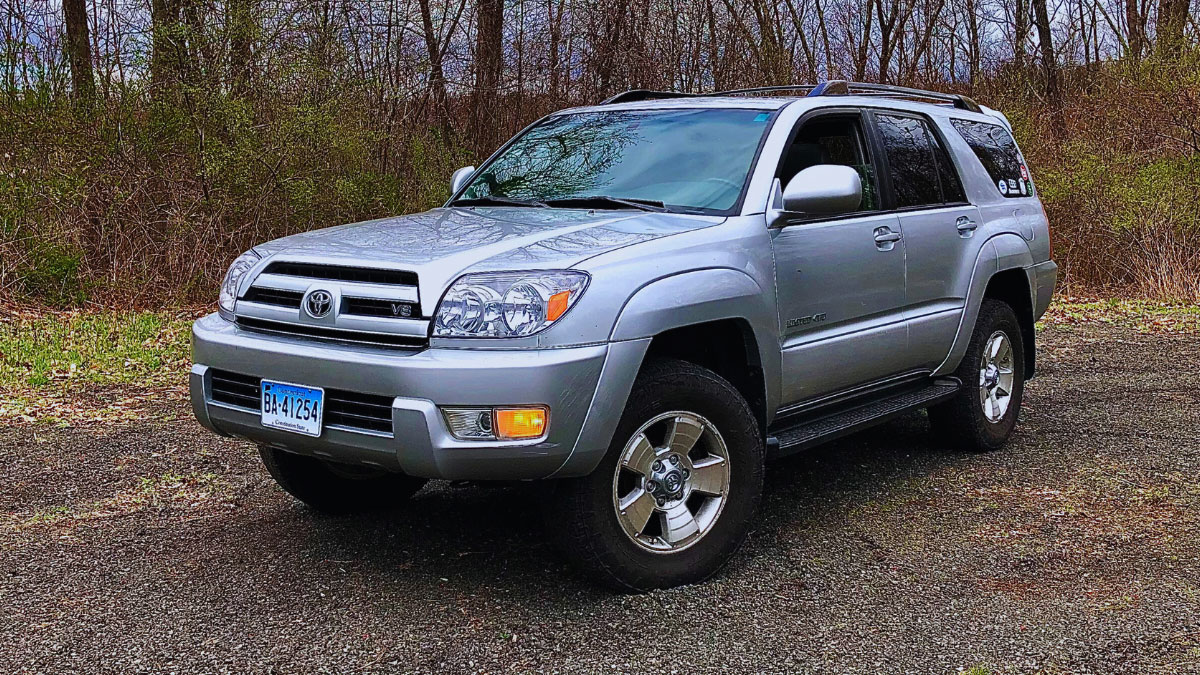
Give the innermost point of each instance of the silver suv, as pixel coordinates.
(645, 301)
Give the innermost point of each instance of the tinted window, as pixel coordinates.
(695, 159)
(998, 153)
(911, 165)
(952, 189)
(832, 140)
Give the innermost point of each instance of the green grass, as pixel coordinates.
(1145, 316)
(41, 350)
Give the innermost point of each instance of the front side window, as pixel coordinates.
(998, 153)
(911, 164)
(832, 140)
(694, 160)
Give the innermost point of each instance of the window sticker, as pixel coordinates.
(762, 117)
(1003, 185)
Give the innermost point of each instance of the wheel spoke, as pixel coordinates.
(678, 524)
(708, 476)
(636, 509)
(994, 348)
(683, 434)
(640, 456)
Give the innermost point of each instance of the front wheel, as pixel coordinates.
(672, 500)
(983, 414)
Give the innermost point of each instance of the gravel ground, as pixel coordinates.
(159, 547)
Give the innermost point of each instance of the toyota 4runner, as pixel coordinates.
(645, 301)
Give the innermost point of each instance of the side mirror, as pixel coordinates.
(459, 178)
(824, 189)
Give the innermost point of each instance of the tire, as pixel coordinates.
(337, 489)
(583, 516)
(969, 420)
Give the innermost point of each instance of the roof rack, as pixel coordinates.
(634, 95)
(828, 88)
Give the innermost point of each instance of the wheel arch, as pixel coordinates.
(718, 318)
(1003, 271)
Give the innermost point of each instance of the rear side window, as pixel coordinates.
(998, 153)
(911, 162)
(952, 189)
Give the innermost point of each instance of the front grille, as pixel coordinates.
(385, 308)
(342, 273)
(343, 409)
(274, 296)
(334, 335)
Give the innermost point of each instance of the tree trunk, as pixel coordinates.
(165, 52)
(242, 31)
(1050, 68)
(489, 63)
(437, 75)
(1172, 20)
(1020, 32)
(79, 48)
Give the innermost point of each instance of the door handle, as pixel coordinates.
(885, 238)
(965, 226)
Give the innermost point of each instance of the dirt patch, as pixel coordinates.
(146, 543)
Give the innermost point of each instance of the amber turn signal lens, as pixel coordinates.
(557, 306)
(515, 423)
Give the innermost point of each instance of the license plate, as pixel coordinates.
(292, 407)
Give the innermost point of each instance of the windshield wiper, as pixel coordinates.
(493, 200)
(601, 201)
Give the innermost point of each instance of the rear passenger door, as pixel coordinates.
(939, 228)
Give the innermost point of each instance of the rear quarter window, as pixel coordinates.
(998, 153)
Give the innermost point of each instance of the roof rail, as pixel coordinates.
(828, 88)
(634, 95)
(842, 87)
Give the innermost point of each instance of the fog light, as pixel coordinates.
(513, 423)
(469, 424)
(489, 424)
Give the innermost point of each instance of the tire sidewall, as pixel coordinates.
(994, 316)
(678, 386)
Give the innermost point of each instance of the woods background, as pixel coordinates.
(145, 143)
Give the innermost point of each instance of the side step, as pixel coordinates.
(814, 431)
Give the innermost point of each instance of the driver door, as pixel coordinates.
(840, 279)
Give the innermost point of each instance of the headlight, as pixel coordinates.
(506, 304)
(233, 277)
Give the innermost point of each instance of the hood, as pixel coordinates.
(443, 243)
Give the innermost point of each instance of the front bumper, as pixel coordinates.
(584, 387)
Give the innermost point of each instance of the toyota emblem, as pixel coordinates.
(318, 304)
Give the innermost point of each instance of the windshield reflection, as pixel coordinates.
(685, 159)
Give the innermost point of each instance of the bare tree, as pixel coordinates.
(242, 30)
(1172, 20)
(79, 48)
(489, 64)
(1049, 67)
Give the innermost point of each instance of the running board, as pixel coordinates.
(808, 433)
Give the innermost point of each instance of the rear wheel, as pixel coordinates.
(673, 499)
(983, 414)
(334, 488)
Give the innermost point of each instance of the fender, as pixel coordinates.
(701, 296)
(675, 301)
(1002, 252)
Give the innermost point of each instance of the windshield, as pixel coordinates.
(679, 159)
